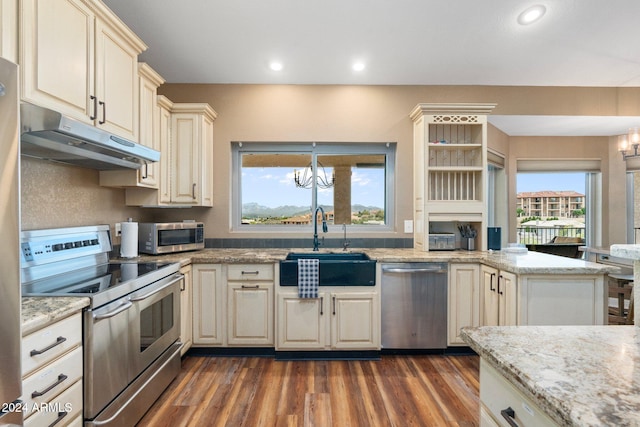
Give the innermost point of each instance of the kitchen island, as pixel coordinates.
(576, 375)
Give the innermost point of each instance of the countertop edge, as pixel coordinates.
(39, 312)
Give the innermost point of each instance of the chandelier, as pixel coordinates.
(304, 179)
(632, 138)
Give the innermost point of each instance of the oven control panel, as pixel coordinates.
(32, 250)
(51, 247)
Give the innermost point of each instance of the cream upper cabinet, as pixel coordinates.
(192, 154)
(464, 300)
(450, 163)
(161, 196)
(148, 131)
(9, 30)
(83, 63)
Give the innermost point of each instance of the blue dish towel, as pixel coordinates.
(308, 278)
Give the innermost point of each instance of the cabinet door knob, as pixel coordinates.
(491, 288)
(321, 306)
(193, 191)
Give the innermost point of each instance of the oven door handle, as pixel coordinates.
(176, 278)
(123, 307)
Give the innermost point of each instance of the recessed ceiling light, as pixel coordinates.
(276, 65)
(358, 66)
(532, 14)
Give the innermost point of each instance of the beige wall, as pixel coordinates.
(54, 195)
(331, 113)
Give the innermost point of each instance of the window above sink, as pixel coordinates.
(276, 186)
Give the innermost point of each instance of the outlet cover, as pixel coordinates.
(408, 226)
(118, 229)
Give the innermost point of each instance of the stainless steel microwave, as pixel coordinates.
(166, 237)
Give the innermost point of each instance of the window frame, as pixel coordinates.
(315, 149)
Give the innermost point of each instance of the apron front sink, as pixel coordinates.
(336, 269)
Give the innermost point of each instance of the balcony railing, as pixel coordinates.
(531, 235)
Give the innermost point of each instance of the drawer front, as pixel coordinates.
(250, 272)
(67, 408)
(49, 381)
(497, 394)
(45, 345)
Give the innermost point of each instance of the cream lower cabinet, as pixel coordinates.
(52, 363)
(250, 314)
(208, 305)
(531, 299)
(501, 404)
(337, 319)
(101, 86)
(186, 309)
(233, 305)
(498, 303)
(464, 300)
(250, 304)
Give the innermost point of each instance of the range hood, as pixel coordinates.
(49, 135)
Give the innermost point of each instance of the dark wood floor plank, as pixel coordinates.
(425, 390)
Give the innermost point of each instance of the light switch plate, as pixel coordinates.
(408, 226)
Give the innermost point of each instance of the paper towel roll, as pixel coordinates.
(129, 240)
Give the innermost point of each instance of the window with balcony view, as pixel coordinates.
(279, 186)
(551, 212)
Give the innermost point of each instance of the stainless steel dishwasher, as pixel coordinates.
(414, 305)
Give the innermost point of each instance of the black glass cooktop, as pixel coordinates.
(92, 280)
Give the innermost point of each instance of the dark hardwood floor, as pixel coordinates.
(425, 390)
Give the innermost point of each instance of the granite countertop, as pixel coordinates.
(38, 312)
(579, 375)
(529, 263)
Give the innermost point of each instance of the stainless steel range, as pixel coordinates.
(131, 327)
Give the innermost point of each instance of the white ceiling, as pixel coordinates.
(402, 42)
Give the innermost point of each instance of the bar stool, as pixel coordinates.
(620, 299)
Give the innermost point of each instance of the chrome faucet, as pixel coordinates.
(315, 227)
(345, 242)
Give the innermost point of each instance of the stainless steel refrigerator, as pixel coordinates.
(10, 320)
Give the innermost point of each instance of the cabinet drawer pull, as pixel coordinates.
(59, 341)
(499, 291)
(193, 191)
(509, 414)
(95, 107)
(253, 273)
(104, 112)
(321, 306)
(334, 306)
(60, 380)
(61, 415)
(250, 287)
(491, 288)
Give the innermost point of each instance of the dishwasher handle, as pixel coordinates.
(439, 270)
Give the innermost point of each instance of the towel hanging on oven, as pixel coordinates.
(308, 277)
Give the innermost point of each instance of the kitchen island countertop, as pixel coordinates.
(578, 375)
